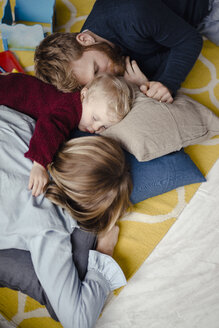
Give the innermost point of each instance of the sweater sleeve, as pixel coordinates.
(50, 132)
(25, 93)
(76, 303)
(56, 113)
(11, 92)
(180, 41)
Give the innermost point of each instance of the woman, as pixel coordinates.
(96, 193)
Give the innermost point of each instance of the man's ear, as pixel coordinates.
(85, 39)
(83, 93)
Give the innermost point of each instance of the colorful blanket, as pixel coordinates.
(151, 219)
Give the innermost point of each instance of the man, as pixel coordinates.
(159, 34)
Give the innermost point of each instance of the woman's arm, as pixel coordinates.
(76, 303)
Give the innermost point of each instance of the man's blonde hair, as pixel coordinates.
(118, 93)
(91, 180)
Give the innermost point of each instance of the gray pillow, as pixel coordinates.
(153, 129)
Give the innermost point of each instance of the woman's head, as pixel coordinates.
(91, 181)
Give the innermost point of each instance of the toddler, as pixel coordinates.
(100, 104)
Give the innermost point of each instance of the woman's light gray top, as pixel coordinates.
(35, 224)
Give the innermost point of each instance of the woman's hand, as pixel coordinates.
(106, 242)
(38, 179)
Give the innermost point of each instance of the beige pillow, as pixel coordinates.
(153, 129)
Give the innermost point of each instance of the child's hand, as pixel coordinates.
(158, 91)
(38, 179)
(107, 242)
(133, 73)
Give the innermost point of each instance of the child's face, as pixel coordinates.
(95, 116)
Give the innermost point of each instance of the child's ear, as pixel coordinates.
(83, 93)
(85, 39)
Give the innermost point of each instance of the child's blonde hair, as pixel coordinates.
(91, 180)
(118, 93)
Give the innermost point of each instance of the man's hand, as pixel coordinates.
(107, 241)
(157, 90)
(151, 89)
(133, 73)
(38, 179)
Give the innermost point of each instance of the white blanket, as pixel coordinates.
(178, 285)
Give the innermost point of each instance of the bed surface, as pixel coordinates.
(173, 278)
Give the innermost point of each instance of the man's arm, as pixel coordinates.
(180, 41)
(151, 89)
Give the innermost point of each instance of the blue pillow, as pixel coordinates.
(159, 175)
(162, 174)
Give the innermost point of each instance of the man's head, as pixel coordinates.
(106, 100)
(71, 60)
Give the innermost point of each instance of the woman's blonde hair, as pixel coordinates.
(91, 180)
(118, 93)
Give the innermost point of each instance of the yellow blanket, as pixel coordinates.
(151, 218)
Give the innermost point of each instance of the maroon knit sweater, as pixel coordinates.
(56, 113)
